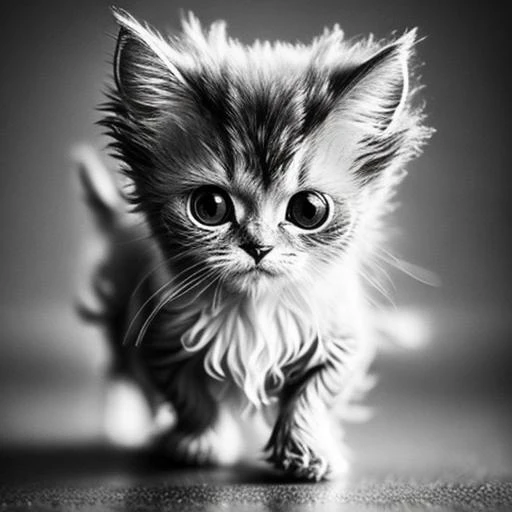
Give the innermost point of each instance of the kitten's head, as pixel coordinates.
(261, 164)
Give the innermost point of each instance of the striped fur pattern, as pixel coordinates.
(262, 123)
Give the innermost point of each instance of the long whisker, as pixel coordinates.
(176, 294)
(159, 265)
(378, 286)
(156, 293)
(153, 314)
(418, 273)
(209, 285)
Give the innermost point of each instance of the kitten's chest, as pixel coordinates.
(252, 344)
(265, 325)
(251, 324)
(255, 343)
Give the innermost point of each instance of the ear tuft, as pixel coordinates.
(374, 116)
(153, 41)
(380, 88)
(144, 69)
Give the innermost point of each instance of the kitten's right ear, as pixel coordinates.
(144, 70)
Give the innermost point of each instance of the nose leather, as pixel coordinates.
(257, 252)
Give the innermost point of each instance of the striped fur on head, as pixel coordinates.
(262, 122)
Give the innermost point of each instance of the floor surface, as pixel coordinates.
(417, 454)
(440, 440)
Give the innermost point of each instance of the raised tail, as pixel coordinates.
(100, 190)
(119, 253)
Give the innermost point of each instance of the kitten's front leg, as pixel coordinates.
(306, 440)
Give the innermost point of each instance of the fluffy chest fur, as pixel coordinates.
(255, 341)
(259, 342)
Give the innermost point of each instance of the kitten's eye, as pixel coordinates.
(308, 210)
(211, 206)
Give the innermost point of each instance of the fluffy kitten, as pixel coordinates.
(260, 175)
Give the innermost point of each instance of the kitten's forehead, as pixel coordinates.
(255, 188)
(255, 139)
(257, 126)
(260, 131)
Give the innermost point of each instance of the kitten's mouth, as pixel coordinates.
(263, 271)
(256, 271)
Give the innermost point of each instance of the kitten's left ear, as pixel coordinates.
(378, 89)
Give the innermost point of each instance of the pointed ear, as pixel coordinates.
(378, 89)
(144, 71)
(373, 128)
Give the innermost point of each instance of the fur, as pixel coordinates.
(263, 123)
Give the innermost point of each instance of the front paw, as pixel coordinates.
(301, 465)
(305, 452)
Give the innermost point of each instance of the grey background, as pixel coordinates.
(55, 60)
(454, 217)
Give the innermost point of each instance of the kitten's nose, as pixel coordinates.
(258, 252)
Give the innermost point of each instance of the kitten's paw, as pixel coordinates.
(218, 445)
(305, 456)
(305, 464)
(191, 450)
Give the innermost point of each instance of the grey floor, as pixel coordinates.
(417, 453)
(439, 440)
(207, 492)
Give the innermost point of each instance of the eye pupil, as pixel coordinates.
(308, 210)
(211, 206)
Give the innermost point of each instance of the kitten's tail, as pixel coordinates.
(116, 254)
(100, 190)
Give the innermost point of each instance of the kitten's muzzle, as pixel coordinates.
(257, 252)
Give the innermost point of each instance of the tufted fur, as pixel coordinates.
(262, 122)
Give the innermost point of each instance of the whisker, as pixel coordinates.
(154, 294)
(178, 293)
(418, 273)
(159, 265)
(378, 286)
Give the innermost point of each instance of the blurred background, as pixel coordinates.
(446, 403)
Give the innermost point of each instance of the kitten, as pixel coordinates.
(260, 176)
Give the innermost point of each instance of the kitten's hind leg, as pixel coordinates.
(219, 444)
(127, 415)
(205, 433)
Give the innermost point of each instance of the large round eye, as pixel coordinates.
(308, 210)
(211, 206)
